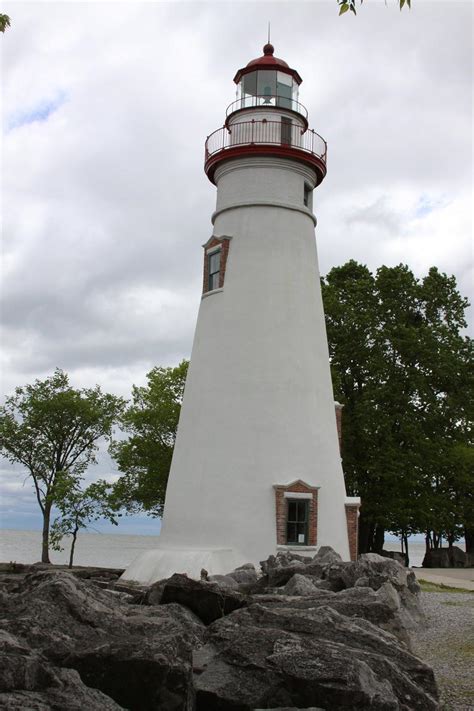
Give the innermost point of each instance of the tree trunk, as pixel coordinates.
(379, 539)
(405, 541)
(45, 546)
(364, 535)
(73, 545)
(469, 538)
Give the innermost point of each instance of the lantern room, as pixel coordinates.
(267, 81)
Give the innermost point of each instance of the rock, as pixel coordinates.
(395, 555)
(140, 675)
(436, 558)
(362, 582)
(453, 557)
(299, 585)
(279, 569)
(268, 656)
(381, 608)
(69, 694)
(246, 576)
(206, 599)
(327, 555)
(117, 648)
(20, 667)
(457, 557)
(224, 581)
(246, 566)
(154, 593)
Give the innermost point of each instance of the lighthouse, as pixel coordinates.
(256, 467)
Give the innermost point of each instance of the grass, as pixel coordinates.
(426, 586)
(458, 603)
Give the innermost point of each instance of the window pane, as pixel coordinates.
(249, 83)
(302, 508)
(266, 84)
(283, 90)
(214, 262)
(292, 511)
(214, 281)
(291, 533)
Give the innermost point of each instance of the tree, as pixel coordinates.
(145, 457)
(4, 22)
(78, 508)
(345, 5)
(404, 373)
(51, 429)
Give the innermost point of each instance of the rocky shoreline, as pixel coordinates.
(299, 634)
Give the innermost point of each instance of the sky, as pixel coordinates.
(106, 107)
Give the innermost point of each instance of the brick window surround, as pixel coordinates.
(352, 518)
(283, 494)
(213, 244)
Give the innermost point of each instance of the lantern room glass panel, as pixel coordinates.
(284, 90)
(266, 86)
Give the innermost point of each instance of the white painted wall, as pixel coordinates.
(258, 406)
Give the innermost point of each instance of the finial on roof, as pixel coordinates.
(268, 50)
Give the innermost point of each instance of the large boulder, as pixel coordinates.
(381, 607)
(278, 569)
(206, 599)
(266, 656)
(116, 647)
(68, 693)
(453, 557)
(374, 571)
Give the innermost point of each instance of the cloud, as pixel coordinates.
(107, 108)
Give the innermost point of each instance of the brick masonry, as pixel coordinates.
(281, 509)
(338, 408)
(223, 243)
(352, 518)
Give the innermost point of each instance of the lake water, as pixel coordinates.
(114, 550)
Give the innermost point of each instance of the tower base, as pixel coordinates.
(160, 563)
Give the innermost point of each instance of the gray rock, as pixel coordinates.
(268, 656)
(68, 694)
(246, 566)
(224, 581)
(153, 595)
(246, 576)
(206, 599)
(299, 585)
(453, 557)
(327, 555)
(118, 648)
(395, 555)
(20, 667)
(277, 570)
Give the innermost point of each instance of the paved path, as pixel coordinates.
(446, 642)
(453, 577)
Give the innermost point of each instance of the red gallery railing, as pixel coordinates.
(284, 134)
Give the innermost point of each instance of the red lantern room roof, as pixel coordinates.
(268, 61)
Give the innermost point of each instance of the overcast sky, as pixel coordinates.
(106, 205)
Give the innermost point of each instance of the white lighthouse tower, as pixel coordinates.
(256, 466)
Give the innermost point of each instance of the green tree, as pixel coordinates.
(51, 429)
(404, 373)
(145, 457)
(78, 508)
(4, 22)
(346, 5)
